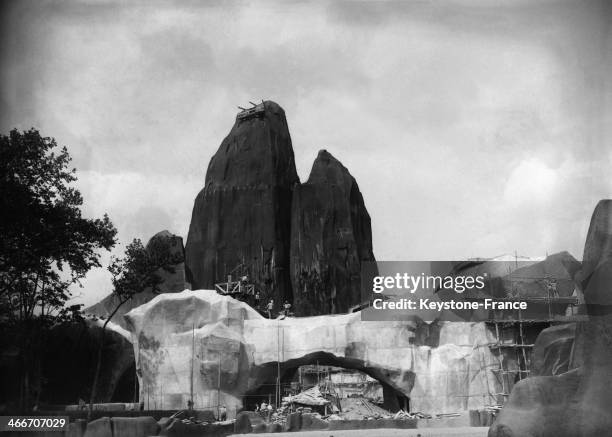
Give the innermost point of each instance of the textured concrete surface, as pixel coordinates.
(222, 349)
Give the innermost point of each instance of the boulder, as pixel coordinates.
(331, 235)
(274, 427)
(312, 422)
(552, 350)
(575, 403)
(77, 428)
(260, 428)
(241, 218)
(242, 425)
(134, 426)
(99, 428)
(294, 422)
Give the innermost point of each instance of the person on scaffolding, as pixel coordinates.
(270, 308)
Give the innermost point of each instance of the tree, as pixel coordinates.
(139, 269)
(46, 245)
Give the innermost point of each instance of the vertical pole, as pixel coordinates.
(515, 259)
(484, 366)
(191, 367)
(277, 388)
(218, 385)
(501, 363)
(136, 391)
(523, 346)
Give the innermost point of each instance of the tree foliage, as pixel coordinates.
(141, 267)
(46, 245)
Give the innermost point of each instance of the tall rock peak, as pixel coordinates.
(256, 152)
(241, 218)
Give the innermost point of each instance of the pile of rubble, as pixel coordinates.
(362, 409)
(401, 414)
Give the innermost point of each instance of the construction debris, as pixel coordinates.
(312, 396)
(401, 414)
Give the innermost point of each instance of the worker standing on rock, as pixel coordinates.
(287, 308)
(270, 308)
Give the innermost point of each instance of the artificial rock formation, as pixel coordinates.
(217, 349)
(331, 236)
(172, 283)
(302, 243)
(553, 349)
(577, 402)
(241, 218)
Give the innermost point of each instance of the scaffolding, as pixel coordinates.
(240, 287)
(256, 110)
(518, 345)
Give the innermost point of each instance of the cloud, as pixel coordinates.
(138, 204)
(472, 128)
(531, 183)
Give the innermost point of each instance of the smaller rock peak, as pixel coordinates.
(163, 234)
(324, 157)
(326, 168)
(175, 241)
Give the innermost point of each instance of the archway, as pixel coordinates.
(276, 379)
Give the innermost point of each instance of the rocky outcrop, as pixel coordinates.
(331, 236)
(552, 350)
(211, 345)
(172, 283)
(241, 218)
(577, 402)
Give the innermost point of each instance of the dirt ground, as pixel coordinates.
(422, 432)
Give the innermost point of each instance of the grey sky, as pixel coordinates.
(473, 128)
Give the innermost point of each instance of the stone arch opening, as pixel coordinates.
(394, 398)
